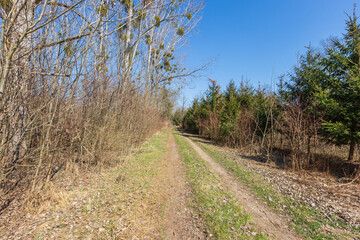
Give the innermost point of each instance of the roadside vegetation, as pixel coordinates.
(121, 202)
(308, 221)
(312, 122)
(223, 215)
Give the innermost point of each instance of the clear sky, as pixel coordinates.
(256, 38)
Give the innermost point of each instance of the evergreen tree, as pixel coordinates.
(340, 95)
(191, 118)
(213, 96)
(261, 112)
(301, 90)
(305, 79)
(230, 110)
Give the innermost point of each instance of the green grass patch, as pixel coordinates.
(306, 220)
(144, 161)
(223, 215)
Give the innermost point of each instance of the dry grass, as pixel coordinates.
(42, 200)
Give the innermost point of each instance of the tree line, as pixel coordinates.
(80, 78)
(318, 101)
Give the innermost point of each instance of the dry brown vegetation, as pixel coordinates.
(81, 79)
(74, 135)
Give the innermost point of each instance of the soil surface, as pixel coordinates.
(181, 221)
(265, 219)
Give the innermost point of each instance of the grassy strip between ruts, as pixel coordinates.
(222, 214)
(307, 221)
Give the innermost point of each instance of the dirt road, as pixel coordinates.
(265, 220)
(147, 197)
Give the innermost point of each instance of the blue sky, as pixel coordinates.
(256, 38)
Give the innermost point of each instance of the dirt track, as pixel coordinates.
(131, 211)
(181, 222)
(265, 220)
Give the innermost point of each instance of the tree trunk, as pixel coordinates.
(149, 67)
(308, 157)
(352, 150)
(21, 79)
(127, 48)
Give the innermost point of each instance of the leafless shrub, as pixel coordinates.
(298, 126)
(210, 126)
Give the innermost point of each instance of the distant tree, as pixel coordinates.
(177, 117)
(230, 112)
(213, 96)
(340, 93)
(209, 123)
(191, 118)
(235, 114)
(261, 112)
